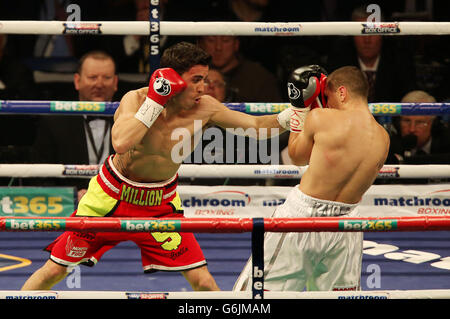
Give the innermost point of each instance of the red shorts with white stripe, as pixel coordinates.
(111, 194)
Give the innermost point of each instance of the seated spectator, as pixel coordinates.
(389, 68)
(218, 146)
(217, 86)
(248, 80)
(73, 139)
(259, 49)
(419, 139)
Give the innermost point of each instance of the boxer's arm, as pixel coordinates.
(301, 144)
(127, 131)
(226, 118)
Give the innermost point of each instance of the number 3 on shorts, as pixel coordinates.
(170, 241)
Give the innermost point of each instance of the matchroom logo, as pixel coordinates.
(431, 204)
(224, 198)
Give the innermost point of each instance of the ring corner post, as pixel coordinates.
(258, 258)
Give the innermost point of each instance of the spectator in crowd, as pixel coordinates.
(136, 48)
(248, 80)
(263, 50)
(38, 45)
(217, 86)
(390, 70)
(74, 139)
(51, 45)
(419, 139)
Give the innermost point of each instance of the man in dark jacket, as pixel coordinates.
(419, 139)
(74, 139)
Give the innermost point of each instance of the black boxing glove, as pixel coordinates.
(305, 85)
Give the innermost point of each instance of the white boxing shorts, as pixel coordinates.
(322, 261)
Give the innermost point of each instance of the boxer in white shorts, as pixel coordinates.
(345, 149)
(293, 261)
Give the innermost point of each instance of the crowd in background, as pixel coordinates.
(248, 69)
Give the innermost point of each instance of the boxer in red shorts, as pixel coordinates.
(111, 194)
(140, 179)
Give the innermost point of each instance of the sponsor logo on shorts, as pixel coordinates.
(76, 248)
(140, 196)
(176, 254)
(326, 210)
(376, 225)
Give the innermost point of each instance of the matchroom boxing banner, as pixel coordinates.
(259, 201)
(237, 201)
(406, 200)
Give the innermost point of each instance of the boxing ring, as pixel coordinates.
(234, 238)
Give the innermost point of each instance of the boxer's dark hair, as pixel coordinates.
(183, 56)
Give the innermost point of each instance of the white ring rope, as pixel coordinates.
(223, 28)
(376, 294)
(219, 171)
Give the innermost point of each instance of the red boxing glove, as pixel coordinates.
(164, 83)
(322, 102)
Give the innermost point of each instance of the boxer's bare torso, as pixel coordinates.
(346, 149)
(153, 154)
